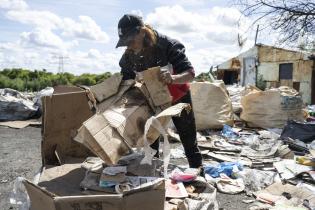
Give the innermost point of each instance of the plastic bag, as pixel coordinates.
(19, 197)
(228, 168)
(186, 176)
(228, 132)
(296, 130)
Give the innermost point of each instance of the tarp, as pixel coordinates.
(296, 130)
(15, 106)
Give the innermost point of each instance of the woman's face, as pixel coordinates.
(136, 44)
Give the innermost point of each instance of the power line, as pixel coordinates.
(61, 62)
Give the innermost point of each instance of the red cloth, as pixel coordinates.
(177, 91)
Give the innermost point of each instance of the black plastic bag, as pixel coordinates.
(303, 131)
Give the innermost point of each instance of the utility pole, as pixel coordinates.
(256, 34)
(61, 62)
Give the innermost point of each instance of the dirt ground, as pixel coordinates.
(20, 156)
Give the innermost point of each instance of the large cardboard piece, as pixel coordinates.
(157, 89)
(63, 113)
(129, 122)
(107, 88)
(110, 134)
(97, 134)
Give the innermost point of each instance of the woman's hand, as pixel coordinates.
(166, 77)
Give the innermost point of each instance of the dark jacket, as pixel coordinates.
(165, 51)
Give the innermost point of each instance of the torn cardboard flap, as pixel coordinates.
(124, 86)
(157, 89)
(107, 88)
(97, 134)
(164, 118)
(129, 122)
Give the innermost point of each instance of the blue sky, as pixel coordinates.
(35, 32)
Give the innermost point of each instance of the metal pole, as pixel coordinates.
(256, 34)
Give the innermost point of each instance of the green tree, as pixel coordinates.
(27, 80)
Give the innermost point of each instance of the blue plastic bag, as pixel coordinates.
(228, 132)
(227, 168)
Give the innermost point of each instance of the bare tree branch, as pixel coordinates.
(292, 18)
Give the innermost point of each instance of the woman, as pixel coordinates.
(147, 48)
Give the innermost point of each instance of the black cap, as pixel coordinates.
(128, 26)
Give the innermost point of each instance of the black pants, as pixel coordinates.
(186, 128)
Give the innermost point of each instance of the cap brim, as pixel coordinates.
(123, 41)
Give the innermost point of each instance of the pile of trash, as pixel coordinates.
(270, 156)
(276, 167)
(99, 154)
(15, 105)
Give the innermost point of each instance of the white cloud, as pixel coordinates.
(137, 12)
(43, 38)
(174, 18)
(42, 19)
(93, 61)
(13, 4)
(219, 24)
(189, 3)
(227, 16)
(85, 28)
(210, 38)
(76, 62)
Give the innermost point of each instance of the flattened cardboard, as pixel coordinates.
(102, 139)
(21, 124)
(124, 86)
(63, 113)
(107, 88)
(129, 122)
(110, 134)
(158, 90)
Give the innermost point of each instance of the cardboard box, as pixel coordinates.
(112, 134)
(59, 189)
(64, 113)
(152, 199)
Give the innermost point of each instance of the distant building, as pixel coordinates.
(268, 66)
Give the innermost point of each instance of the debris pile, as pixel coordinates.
(17, 107)
(103, 158)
